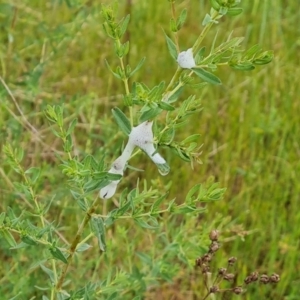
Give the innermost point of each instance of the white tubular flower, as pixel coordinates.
(142, 137)
(186, 60)
(117, 167)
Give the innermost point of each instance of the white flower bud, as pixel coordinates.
(186, 60)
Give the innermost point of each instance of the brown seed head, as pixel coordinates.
(238, 290)
(264, 279)
(214, 289)
(206, 258)
(214, 247)
(248, 280)
(229, 276)
(214, 235)
(251, 278)
(205, 269)
(232, 260)
(198, 262)
(274, 278)
(222, 271)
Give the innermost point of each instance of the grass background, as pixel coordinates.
(53, 52)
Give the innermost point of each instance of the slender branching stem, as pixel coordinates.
(75, 243)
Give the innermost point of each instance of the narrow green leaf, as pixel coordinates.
(83, 247)
(172, 47)
(157, 203)
(185, 209)
(2, 218)
(234, 11)
(150, 114)
(138, 66)
(121, 120)
(9, 237)
(124, 25)
(215, 5)
(34, 172)
(49, 272)
(174, 97)
(93, 185)
(191, 138)
(243, 66)
(181, 19)
(28, 240)
(122, 210)
(181, 154)
(207, 76)
(192, 191)
(72, 126)
(59, 110)
(165, 106)
(151, 223)
(56, 253)
(110, 69)
(250, 53)
(98, 228)
(168, 136)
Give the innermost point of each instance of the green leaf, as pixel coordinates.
(165, 106)
(9, 237)
(98, 228)
(181, 19)
(110, 69)
(195, 189)
(207, 19)
(123, 26)
(184, 156)
(72, 126)
(207, 76)
(49, 272)
(56, 253)
(215, 5)
(83, 247)
(2, 218)
(122, 210)
(264, 58)
(50, 113)
(157, 203)
(121, 120)
(28, 240)
(93, 185)
(150, 114)
(174, 96)
(168, 136)
(185, 209)
(151, 223)
(191, 138)
(138, 66)
(35, 174)
(234, 11)
(59, 110)
(172, 47)
(243, 66)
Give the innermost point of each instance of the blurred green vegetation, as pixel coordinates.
(53, 52)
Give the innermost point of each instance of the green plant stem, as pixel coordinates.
(174, 78)
(55, 280)
(125, 80)
(204, 32)
(174, 18)
(75, 243)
